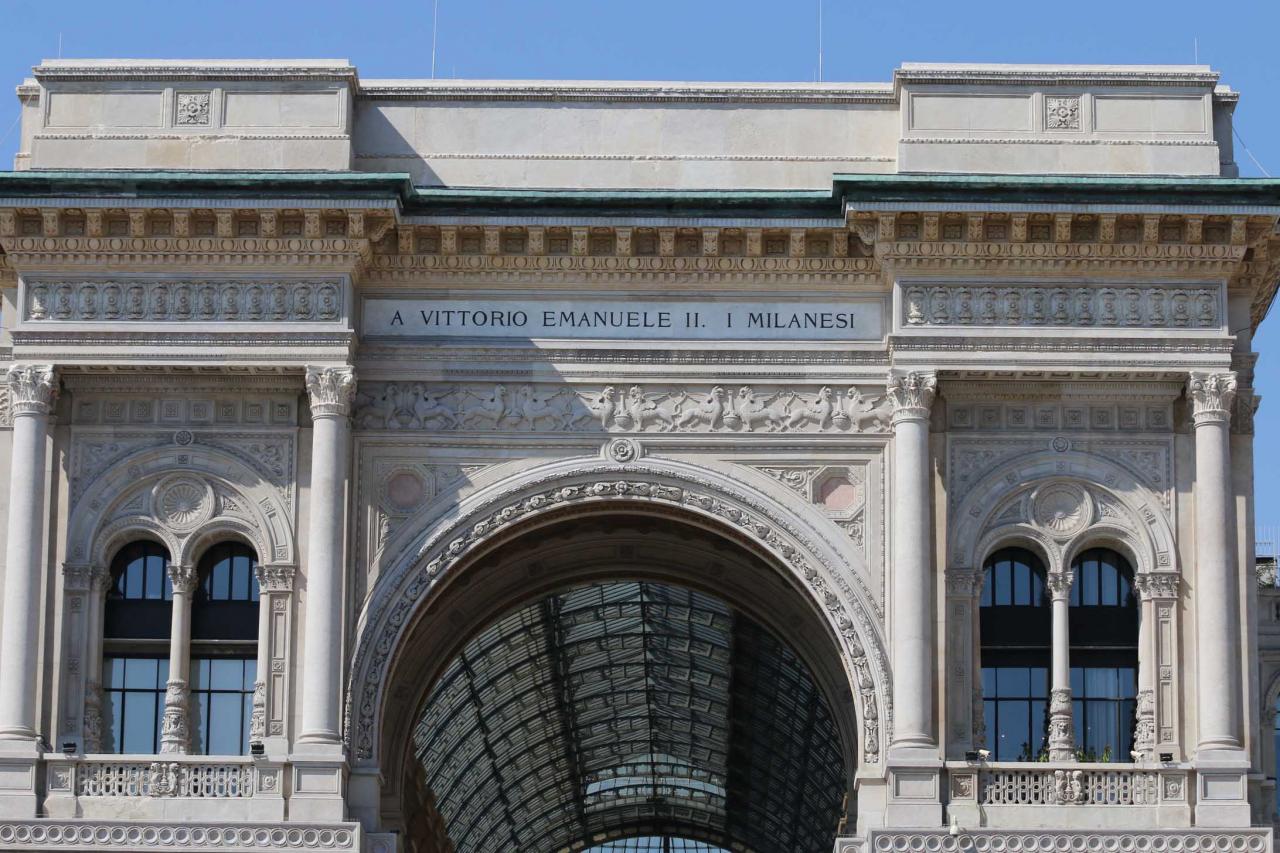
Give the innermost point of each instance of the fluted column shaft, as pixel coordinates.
(911, 395)
(331, 390)
(1062, 738)
(1216, 588)
(32, 389)
(175, 731)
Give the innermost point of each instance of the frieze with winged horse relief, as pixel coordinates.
(637, 408)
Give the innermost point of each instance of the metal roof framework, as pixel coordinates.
(631, 710)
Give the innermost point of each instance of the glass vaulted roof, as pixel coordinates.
(631, 716)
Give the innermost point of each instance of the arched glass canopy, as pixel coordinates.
(630, 716)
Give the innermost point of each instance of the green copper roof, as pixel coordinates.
(882, 190)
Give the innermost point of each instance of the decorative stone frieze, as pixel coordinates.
(131, 836)
(640, 408)
(184, 301)
(1043, 841)
(1075, 306)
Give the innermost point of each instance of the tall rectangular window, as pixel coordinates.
(222, 694)
(134, 688)
(1105, 699)
(1015, 701)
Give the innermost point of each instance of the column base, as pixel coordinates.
(1222, 788)
(19, 763)
(319, 786)
(915, 787)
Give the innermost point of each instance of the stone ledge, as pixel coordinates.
(133, 836)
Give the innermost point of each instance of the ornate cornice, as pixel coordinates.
(331, 390)
(1212, 396)
(32, 389)
(910, 394)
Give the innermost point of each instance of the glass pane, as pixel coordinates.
(1004, 595)
(986, 587)
(1089, 578)
(113, 673)
(1014, 681)
(133, 579)
(1022, 584)
(1077, 681)
(1014, 734)
(140, 673)
(140, 722)
(1039, 681)
(1039, 726)
(155, 577)
(240, 579)
(1101, 683)
(989, 687)
(1110, 586)
(250, 675)
(221, 581)
(224, 723)
(225, 674)
(1128, 682)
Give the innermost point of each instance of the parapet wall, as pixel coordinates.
(318, 115)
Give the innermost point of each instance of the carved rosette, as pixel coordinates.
(32, 389)
(1062, 738)
(911, 394)
(1061, 509)
(183, 503)
(175, 731)
(1212, 396)
(331, 390)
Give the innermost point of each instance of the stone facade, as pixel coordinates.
(869, 333)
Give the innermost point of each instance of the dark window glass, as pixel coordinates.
(222, 694)
(1015, 631)
(1104, 655)
(139, 572)
(134, 688)
(1015, 704)
(226, 601)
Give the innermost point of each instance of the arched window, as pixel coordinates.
(1104, 654)
(1015, 626)
(224, 648)
(135, 660)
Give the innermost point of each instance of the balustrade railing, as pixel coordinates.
(1024, 786)
(161, 778)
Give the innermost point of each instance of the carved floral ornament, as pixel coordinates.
(408, 583)
(331, 390)
(1212, 396)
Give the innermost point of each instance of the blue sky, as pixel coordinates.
(693, 40)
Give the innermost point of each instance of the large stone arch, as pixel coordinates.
(1116, 509)
(210, 492)
(714, 500)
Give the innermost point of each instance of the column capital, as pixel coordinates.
(83, 577)
(331, 390)
(964, 583)
(32, 388)
(1059, 583)
(1212, 396)
(275, 578)
(910, 393)
(183, 578)
(1156, 586)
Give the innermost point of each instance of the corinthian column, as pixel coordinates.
(175, 733)
(1062, 736)
(911, 395)
(1216, 590)
(330, 390)
(32, 389)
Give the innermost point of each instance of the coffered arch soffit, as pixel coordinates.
(1059, 504)
(209, 495)
(446, 537)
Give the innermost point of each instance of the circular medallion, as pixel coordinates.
(183, 437)
(1060, 444)
(405, 490)
(183, 502)
(622, 450)
(1061, 509)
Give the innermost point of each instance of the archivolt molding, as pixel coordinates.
(412, 575)
(180, 496)
(1062, 503)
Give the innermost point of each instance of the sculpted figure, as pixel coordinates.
(640, 411)
(429, 404)
(820, 411)
(603, 406)
(372, 412)
(491, 411)
(708, 412)
(530, 408)
(860, 410)
(771, 413)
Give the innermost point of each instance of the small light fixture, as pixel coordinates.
(984, 754)
(68, 747)
(1166, 757)
(971, 756)
(257, 749)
